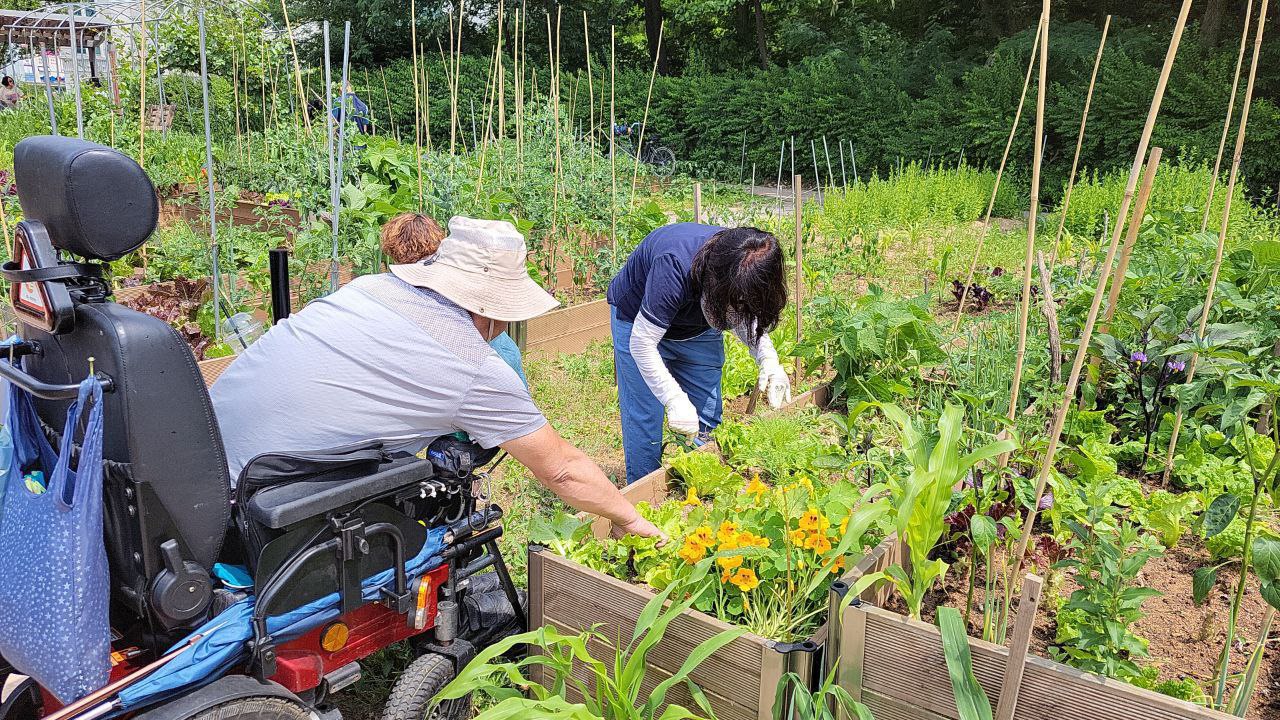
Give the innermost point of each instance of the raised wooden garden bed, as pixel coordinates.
(192, 209)
(895, 666)
(740, 680)
(567, 330)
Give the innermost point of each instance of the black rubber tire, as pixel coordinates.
(422, 680)
(255, 708)
(663, 161)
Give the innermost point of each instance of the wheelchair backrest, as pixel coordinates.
(166, 470)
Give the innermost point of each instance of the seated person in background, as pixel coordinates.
(404, 357)
(10, 95)
(412, 237)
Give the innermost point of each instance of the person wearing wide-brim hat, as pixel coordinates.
(403, 357)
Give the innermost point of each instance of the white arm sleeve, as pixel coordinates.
(644, 350)
(763, 351)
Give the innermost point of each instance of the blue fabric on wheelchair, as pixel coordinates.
(226, 636)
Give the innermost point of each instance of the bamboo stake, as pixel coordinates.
(1024, 306)
(417, 109)
(426, 99)
(635, 171)
(797, 199)
(142, 84)
(386, 94)
(991, 204)
(586, 35)
(1226, 123)
(697, 202)
(1075, 161)
(1086, 335)
(297, 67)
(1222, 233)
(1050, 309)
(613, 146)
(553, 91)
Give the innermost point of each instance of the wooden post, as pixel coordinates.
(1028, 604)
(798, 200)
(1222, 234)
(1082, 349)
(1226, 123)
(697, 202)
(1024, 307)
(991, 204)
(1075, 161)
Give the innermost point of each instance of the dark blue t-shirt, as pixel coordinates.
(655, 281)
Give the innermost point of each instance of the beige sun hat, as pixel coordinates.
(480, 266)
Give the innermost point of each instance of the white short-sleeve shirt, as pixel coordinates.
(378, 359)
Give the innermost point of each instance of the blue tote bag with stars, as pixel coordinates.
(54, 582)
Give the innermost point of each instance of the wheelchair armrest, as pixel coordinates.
(283, 505)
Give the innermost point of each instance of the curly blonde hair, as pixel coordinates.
(410, 237)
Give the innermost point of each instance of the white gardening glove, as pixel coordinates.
(774, 383)
(682, 417)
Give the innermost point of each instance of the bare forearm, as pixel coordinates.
(581, 484)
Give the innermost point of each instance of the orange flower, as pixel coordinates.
(757, 488)
(797, 537)
(838, 566)
(728, 532)
(844, 526)
(729, 562)
(691, 498)
(814, 522)
(819, 544)
(691, 552)
(745, 579)
(703, 536)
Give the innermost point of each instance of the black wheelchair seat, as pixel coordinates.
(287, 504)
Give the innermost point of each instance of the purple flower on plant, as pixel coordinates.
(1176, 365)
(1046, 501)
(280, 202)
(1138, 357)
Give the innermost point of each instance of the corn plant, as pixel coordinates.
(615, 690)
(921, 499)
(795, 701)
(972, 702)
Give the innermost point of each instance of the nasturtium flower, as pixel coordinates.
(839, 565)
(745, 579)
(691, 552)
(818, 543)
(729, 562)
(797, 537)
(757, 488)
(728, 532)
(691, 498)
(844, 526)
(813, 521)
(703, 536)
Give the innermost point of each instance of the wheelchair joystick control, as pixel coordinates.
(182, 591)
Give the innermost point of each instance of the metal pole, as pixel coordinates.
(48, 89)
(208, 160)
(817, 178)
(342, 143)
(75, 74)
(853, 158)
(742, 166)
(831, 180)
(844, 179)
(328, 123)
(782, 153)
(160, 96)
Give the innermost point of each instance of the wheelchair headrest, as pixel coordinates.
(94, 201)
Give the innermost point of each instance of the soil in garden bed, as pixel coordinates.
(1185, 640)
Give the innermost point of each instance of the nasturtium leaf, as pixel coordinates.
(1221, 512)
(1202, 581)
(1266, 558)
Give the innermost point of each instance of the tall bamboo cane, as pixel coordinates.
(142, 84)
(1075, 160)
(1222, 234)
(417, 109)
(1226, 123)
(613, 146)
(1082, 351)
(591, 104)
(1037, 158)
(644, 124)
(991, 204)
(297, 67)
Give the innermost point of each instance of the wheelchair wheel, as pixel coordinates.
(663, 161)
(255, 708)
(422, 680)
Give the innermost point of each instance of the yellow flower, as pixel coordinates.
(691, 498)
(814, 522)
(745, 579)
(728, 532)
(818, 543)
(844, 526)
(703, 536)
(729, 562)
(757, 488)
(691, 552)
(797, 537)
(838, 566)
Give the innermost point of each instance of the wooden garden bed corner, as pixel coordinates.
(895, 666)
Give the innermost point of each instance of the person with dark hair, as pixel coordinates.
(10, 95)
(679, 291)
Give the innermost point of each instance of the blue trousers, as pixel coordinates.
(696, 365)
